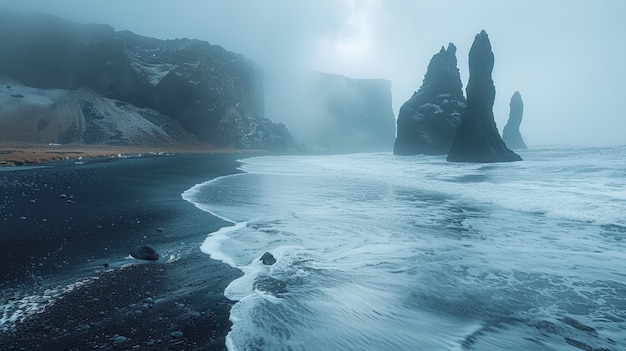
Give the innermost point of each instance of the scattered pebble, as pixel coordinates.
(118, 339)
(177, 334)
(148, 300)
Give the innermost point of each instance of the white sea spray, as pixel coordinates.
(382, 252)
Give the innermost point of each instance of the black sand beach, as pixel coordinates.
(64, 223)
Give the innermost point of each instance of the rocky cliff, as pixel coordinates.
(60, 116)
(190, 81)
(477, 138)
(360, 112)
(246, 131)
(333, 113)
(428, 121)
(511, 134)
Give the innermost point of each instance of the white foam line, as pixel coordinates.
(189, 194)
(213, 243)
(20, 309)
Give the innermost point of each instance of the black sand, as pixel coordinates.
(64, 223)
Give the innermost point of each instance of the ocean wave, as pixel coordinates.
(375, 251)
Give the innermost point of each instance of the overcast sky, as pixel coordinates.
(566, 57)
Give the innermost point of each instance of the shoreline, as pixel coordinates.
(20, 154)
(67, 223)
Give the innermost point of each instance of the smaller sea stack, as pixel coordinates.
(511, 134)
(477, 138)
(428, 121)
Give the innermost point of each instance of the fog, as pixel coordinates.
(565, 57)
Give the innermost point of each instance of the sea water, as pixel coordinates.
(382, 252)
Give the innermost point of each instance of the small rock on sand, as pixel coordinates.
(268, 259)
(145, 253)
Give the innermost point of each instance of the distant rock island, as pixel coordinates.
(477, 138)
(91, 84)
(428, 121)
(511, 134)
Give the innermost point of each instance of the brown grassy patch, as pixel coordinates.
(16, 154)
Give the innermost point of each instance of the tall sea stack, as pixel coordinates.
(428, 121)
(477, 138)
(511, 134)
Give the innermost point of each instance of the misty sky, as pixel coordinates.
(566, 57)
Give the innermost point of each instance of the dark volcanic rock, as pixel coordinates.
(244, 130)
(191, 81)
(145, 253)
(511, 134)
(268, 259)
(428, 121)
(477, 138)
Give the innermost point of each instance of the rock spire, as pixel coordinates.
(511, 134)
(427, 122)
(477, 138)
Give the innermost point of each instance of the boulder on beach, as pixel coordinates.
(477, 138)
(145, 253)
(427, 122)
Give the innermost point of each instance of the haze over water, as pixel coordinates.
(376, 252)
(563, 56)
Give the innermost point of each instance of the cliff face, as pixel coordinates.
(192, 82)
(511, 134)
(359, 111)
(329, 112)
(428, 121)
(477, 138)
(246, 131)
(81, 116)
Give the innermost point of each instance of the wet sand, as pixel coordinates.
(64, 223)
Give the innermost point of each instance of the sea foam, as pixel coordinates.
(379, 252)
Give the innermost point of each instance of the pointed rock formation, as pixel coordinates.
(510, 134)
(477, 138)
(428, 121)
